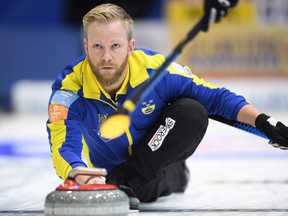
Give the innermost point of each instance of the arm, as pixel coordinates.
(66, 147)
(224, 103)
(248, 114)
(275, 130)
(65, 133)
(65, 136)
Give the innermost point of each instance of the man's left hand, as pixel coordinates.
(276, 131)
(217, 9)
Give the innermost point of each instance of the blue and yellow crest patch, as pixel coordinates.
(148, 107)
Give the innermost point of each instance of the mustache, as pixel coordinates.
(105, 64)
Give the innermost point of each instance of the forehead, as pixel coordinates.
(101, 30)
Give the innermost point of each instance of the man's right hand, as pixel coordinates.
(84, 179)
(85, 175)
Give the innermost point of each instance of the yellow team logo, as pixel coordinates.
(148, 107)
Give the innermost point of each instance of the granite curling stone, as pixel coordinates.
(73, 199)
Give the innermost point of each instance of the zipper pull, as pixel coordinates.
(116, 101)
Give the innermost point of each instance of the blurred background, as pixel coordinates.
(39, 38)
(247, 52)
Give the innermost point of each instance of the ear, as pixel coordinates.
(86, 46)
(131, 46)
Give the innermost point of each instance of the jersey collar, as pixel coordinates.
(136, 75)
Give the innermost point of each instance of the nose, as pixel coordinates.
(106, 55)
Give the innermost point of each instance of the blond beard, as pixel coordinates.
(111, 80)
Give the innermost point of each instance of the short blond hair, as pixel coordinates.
(106, 13)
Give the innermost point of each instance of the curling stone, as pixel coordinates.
(73, 199)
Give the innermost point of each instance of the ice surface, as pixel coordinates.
(232, 173)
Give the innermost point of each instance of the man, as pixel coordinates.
(148, 161)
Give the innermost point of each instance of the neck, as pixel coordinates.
(111, 91)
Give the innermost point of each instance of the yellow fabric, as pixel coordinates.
(130, 140)
(86, 153)
(203, 82)
(73, 81)
(58, 136)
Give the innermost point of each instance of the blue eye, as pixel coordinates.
(115, 46)
(97, 46)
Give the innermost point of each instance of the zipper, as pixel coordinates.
(116, 101)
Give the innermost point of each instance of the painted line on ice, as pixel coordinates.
(211, 210)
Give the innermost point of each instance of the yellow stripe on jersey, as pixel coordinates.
(58, 137)
(130, 140)
(185, 71)
(86, 153)
(198, 81)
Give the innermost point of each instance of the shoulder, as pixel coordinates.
(149, 58)
(179, 69)
(146, 51)
(71, 76)
(153, 60)
(74, 66)
(64, 98)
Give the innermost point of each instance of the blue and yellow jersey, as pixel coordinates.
(79, 104)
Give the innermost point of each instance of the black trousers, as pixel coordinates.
(158, 163)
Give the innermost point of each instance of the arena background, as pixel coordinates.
(39, 38)
(247, 52)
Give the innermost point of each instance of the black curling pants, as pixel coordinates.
(160, 158)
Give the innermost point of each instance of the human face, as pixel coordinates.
(107, 48)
